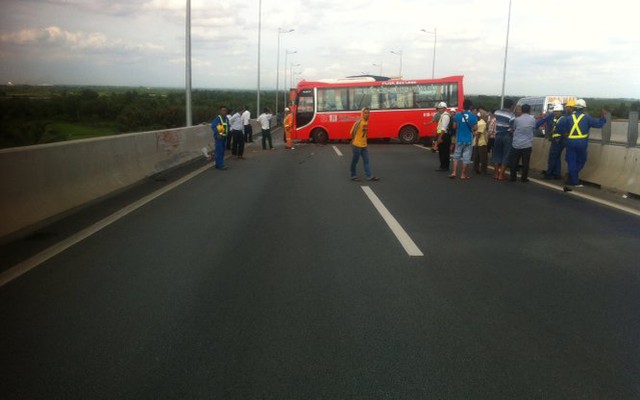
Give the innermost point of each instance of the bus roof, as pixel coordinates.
(370, 80)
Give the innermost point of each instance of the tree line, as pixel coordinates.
(35, 114)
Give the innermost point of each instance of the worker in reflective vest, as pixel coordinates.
(554, 163)
(220, 128)
(575, 128)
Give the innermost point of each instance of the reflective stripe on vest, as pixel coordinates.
(576, 133)
(555, 134)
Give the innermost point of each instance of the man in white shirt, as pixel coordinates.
(237, 134)
(248, 130)
(265, 124)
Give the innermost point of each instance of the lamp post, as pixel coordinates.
(259, 38)
(280, 31)
(398, 53)
(506, 49)
(284, 81)
(188, 64)
(378, 65)
(435, 42)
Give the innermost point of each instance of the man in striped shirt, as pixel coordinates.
(504, 136)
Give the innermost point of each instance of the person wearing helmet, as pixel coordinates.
(220, 128)
(443, 141)
(554, 162)
(288, 129)
(575, 128)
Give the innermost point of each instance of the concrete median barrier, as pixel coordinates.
(612, 167)
(39, 183)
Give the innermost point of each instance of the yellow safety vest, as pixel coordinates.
(555, 134)
(576, 133)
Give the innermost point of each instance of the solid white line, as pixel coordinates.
(406, 242)
(338, 152)
(29, 264)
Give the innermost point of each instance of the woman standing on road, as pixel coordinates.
(359, 146)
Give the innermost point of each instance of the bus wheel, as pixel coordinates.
(408, 134)
(320, 136)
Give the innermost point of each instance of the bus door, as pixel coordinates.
(305, 108)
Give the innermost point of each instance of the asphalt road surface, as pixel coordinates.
(279, 279)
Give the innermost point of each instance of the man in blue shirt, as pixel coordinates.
(575, 128)
(554, 164)
(220, 128)
(465, 123)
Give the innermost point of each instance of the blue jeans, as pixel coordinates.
(463, 152)
(554, 165)
(576, 158)
(357, 152)
(501, 149)
(220, 143)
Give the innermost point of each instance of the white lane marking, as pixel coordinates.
(29, 264)
(606, 203)
(338, 152)
(590, 198)
(406, 242)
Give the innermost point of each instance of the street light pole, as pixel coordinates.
(378, 65)
(280, 31)
(398, 53)
(284, 81)
(188, 65)
(259, 39)
(435, 43)
(506, 50)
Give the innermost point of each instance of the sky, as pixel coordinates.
(585, 48)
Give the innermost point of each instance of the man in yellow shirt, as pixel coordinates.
(359, 146)
(480, 142)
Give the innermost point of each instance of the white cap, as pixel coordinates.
(580, 103)
(287, 109)
(442, 104)
(558, 107)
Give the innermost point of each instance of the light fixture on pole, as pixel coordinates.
(284, 81)
(435, 43)
(506, 49)
(280, 31)
(398, 53)
(378, 65)
(188, 65)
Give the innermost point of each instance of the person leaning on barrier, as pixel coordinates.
(575, 127)
(504, 137)
(554, 163)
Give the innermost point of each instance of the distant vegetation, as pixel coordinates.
(44, 114)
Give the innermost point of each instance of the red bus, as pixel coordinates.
(325, 110)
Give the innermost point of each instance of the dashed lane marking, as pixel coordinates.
(402, 236)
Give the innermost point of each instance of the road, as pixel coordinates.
(278, 279)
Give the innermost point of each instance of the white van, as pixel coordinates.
(541, 105)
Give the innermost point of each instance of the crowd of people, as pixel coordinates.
(466, 137)
(232, 129)
(507, 134)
